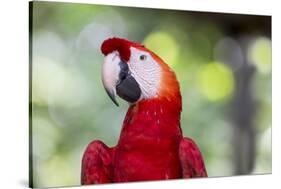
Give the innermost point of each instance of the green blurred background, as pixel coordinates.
(222, 61)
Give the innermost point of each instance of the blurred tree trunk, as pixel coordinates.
(244, 136)
(243, 105)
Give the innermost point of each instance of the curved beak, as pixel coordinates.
(117, 79)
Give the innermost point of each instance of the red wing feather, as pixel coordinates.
(191, 159)
(97, 164)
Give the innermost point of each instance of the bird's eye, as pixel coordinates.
(143, 57)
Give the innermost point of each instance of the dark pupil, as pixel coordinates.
(142, 57)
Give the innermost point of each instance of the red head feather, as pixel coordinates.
(169, 86)
(120, 45)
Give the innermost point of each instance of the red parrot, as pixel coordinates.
(151, 145)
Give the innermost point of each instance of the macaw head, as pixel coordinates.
(135, 73)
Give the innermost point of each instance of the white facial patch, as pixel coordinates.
(146, 72)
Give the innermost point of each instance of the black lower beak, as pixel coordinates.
(127, 87)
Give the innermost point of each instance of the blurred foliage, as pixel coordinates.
(70, 107)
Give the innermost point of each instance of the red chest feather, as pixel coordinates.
(148, 145)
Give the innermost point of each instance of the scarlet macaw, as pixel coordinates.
(151, 145)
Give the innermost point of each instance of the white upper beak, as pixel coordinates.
(110, 74)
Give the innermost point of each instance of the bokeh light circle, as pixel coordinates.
(216, 81)
(164, 45)
(229, 51)
(260, 54)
